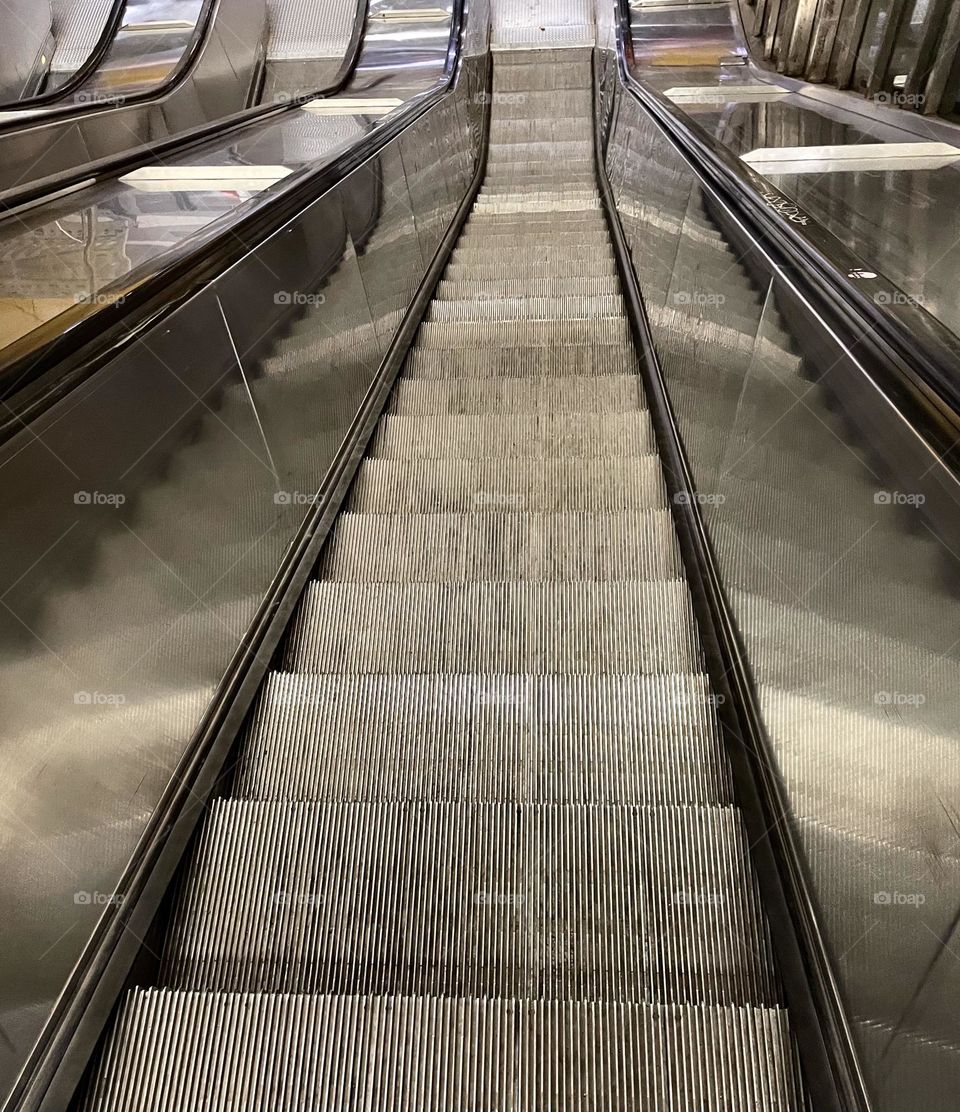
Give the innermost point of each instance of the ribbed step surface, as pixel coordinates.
(482, 851)
(495, 627)
(467, 547)
(569, 394)
(486, 738)
(429, 1054)
(312, 897)
(484, 436)
(485, 485)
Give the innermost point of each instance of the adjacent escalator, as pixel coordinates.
(480, 847)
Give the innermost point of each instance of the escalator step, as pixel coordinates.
(451, 548)
(502, 153)
(483, 738)
(473, 899)
(544, 105)
(522, 436)
(559, 286)
(342, 1053)
(459, 335)
(532, 262)
(529, 309)
(482, 486)
(495, 627)
(553, 128)
(572, 204)
(510, 363)
(570, 394)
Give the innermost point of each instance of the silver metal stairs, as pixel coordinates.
(481, 851)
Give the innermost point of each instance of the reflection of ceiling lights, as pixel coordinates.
(719, 94)
(180, 179)
(353, 106)
(412, 15)
(160, 27)
(852, 156)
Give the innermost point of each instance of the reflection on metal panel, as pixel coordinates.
(77, 27)
(148, 514)
(852, 156)
(353, 106)
(720, 94)
(836, 531)
(26, 48)
(173, 179)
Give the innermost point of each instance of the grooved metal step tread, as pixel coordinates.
(484, 486)
(442, 1055)
(512, 132)
(562, 149)
(318, 897)
(586, 201)
(457, 335)
(535, 263)
(453, 289)
(543, 104)
(570, 394)
(520, 437)
(485, 738)
(558, 226)
(451, 548)
(522, 182)
(566, 308)
(625, 626)
(527, 237)
(433, 365)
(535, 78)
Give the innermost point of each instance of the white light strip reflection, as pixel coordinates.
(852, 156)
(352, 106)
(187, 179)
(720, 94)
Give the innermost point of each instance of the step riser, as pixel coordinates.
(523, 739)
(309, 897)
(443, 1055)
(484, 486)
(470, 547)
(571, 394)
(451, 438)
(509, 627)
(512, 363)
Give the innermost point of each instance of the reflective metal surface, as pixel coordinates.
(87, 248)
(149, 510)
(310, 44)
(79, 30)
(837, 533)
(199, 71)
(899, 216)
(154, 39)
(903, 49)
(26, 48)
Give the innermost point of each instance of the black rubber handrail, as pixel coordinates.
(108, 101)
(14, 201)
(121, 929)
(90, 65)
(921, 355)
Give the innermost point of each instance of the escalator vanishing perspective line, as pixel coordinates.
(481, 849)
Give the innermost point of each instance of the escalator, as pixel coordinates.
(479, 847)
